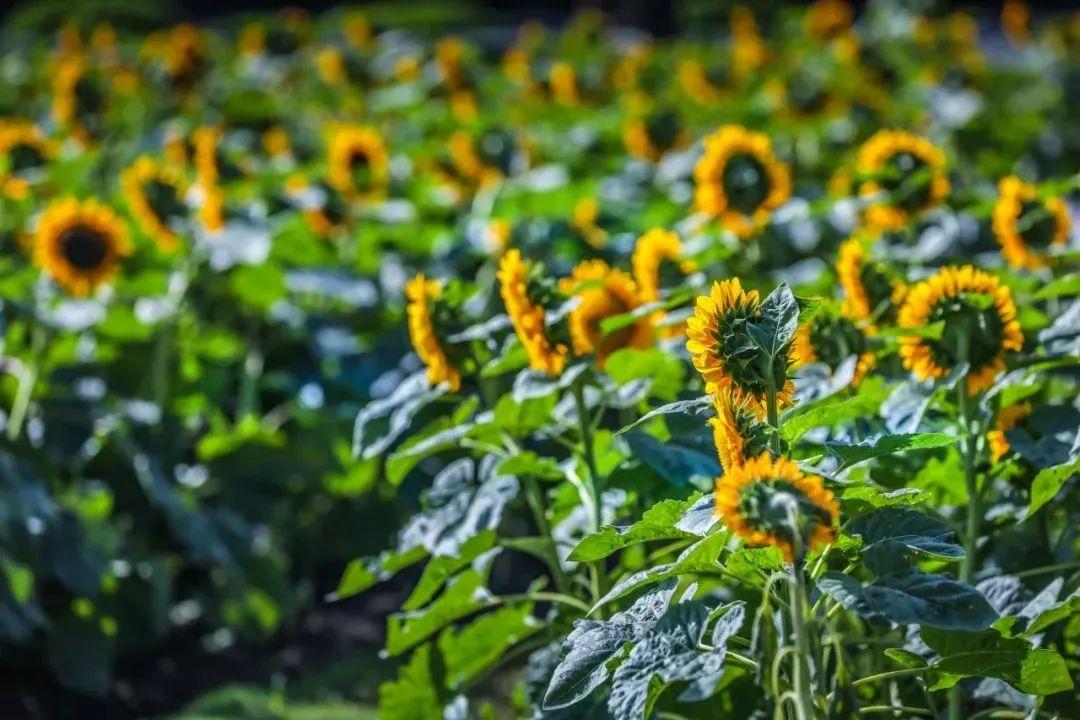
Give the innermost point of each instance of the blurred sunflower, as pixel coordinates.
(79, 244)
(1025, 227)
(563, 84)
(421, 294)
(831, 338)
(585, 219)
(908, 170)
(770, 502)
(826, 19)
(739, 180)
(695, 82)
(155, 196)
(871, 293)
(658, 258)
(649, 138)
(359, 166)
(1007, 418)
(738, 432)
(604, 292)
(722, 351)
(980, 326)
(524, 293)
(78, 100)
(469, 162)
(748, 50)
(22, 149)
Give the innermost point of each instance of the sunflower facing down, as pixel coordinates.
(738, 433)
(739, 180)
(604, 292)
(359, 163)
(79, 244)
(871, 293)
(1026, 227)
(1007, 419)
(909, 170)
(528, 315)
(722, 351)
(770, 502)
(980, 326)
(155, 195)
(421, 294)
(831, 338)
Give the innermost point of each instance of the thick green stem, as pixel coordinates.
(596, 491)
(803, 685)
(535, 497)
(773, 415)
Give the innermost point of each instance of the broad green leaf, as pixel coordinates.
(442, 568)
(890, 534)
(678, 464)
(478, 646)
(1048, 482)
(698, 559)
(776, 322)
(989, 654)
(442, 434)
(657, 523)
(363, 573)
(415, 694)
(1058, 287)
(464, 595)
(665, 372)
(852, 454)
(528, 463)
(832, 411)
(701, 407)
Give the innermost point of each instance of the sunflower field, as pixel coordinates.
(729, 371)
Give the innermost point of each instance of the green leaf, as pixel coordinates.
(665, 371)
(889, 535)
(852, 454)
(442, 434)
(414, 695)
(989, 654)
(777, 321)
(478, 646)
(905, 657)
(656, 523)
(701, 408)
(363, 573)
(1048, 482)
(464, 595)
(1055, 613)
(678, 464)
(527, 463)
(521, 417)
(698, 559)
(831, 411)
(1065, 285)
(441, 568)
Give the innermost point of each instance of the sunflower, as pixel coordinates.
(739, 180)
(722, 351)
(518, 285)
(184, 54)
(750, 497)
(1024, 226)
(585, 219)
(562, 81)
(22, 149)
(908, 169)
(330, 64)
(748, 49)
(695, 82)
(155, 194)
(449, 54)
(826, 19)
(77, 99)
(359, 163)
(468, 162)
(1015, 21)
(205, 141)
(831, 338)
(604, 292)
(650, 137)
(421, 294)
(79, 244)
(980, 326)
(1007, 419)
(657, 257)
(739, 434)
(871, 293)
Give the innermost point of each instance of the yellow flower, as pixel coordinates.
(252, 39)
(76, 99)
(870, 292)
(563, 83)
(584, 219)
(154, 194)
(1024, 227)
(79, 244)
(359, 163)
(184, 53)
(449, 53)
(739, 180)
(1015, 18)
(468, 162)
(330, 65)
(655, 252)
(421, 293)
(357, 30)
(695, 82)
(649, 138)
(746, 501)
(831, 339)
(205, 141)
(1007, 419)
(407, 68)
(604, 292)
(528, 317)
(980, 326)
(738, 433)
(748, 51)
(22, 147)
(826, 19)
(275, 141)
(909, 169)
(717, 342)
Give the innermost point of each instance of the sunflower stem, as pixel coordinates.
(803, 687)
(598, 580)
(773, 415)
(27, 380)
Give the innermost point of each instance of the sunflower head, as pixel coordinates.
(1007, 418)
(698, 84)
(657, 261)
(871, 292)
(80, 244)
(155, 195)
(1025, 226)
(359, 166)
(585, 219)
(604, 292)
(769, 501)
(79, 99)
(723, 351)
(904, 174)
(424, 311)
(563, 84)
(738, 432)
(650, 137)
(23, 151)
(527, 295)
(825, 19)
(831, 338)
(979, 326)
(739, 180)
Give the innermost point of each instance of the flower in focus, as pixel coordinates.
(770, 502)
(524, 293)
(155, 195)
(739, 180)
(604, 292)
(831, 338)
(738, 432)
(871, 293)
(980, 326)
(359, 166)
(79, 244)
(1026, 227)
(1007, 419)
(421, 295)
(906, 171)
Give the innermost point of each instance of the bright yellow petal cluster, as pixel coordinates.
(852, 259)
(420, 293)
(79, 244)
(606, 292)
(14, 135)
(1013, 193)
(1007, 419)
(876, 152)
(133, 181)
(468, 162)
(563, 82)
(349, 145)
(528, 318)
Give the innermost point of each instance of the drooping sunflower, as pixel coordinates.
(155, 195)
(23, 149)
(738, 432)
(739, 180)
(1007, 418)
(604, 292)
(1024, 226)
(80, 244)
(650, 137)
(980, 326)
(831, 338)
(722, 351)
(519, 285)
(421, 294)
(750, 500)
(871, 293)
(908, 170)
(359, 163)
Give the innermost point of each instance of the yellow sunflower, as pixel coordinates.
(980, 326)
(22, 147)
(739, 180)
(449, 56)
(1007, 419)
(831, 338)
(79, 244)
(826, 19)
(604, 292)
(421, 293)
(748, 49)
(656, 255)
(871, 293)
(585, 219)
(563, 83)
(746, 500)
(205, 141)
(738, 433)
(718, 342)
(77, 100)
(694, 81)
(155, 193)
(529, 317)
(1024, 226)
(908, 169)
(468, 162)
(330, 64)
(359, 163)
(650, 137)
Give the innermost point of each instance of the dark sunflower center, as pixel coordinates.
(765, 505)
(663, 129)
(1036, 225)
(744, 361)
(163, 199)
(746, 183)
(24, 156)
(834, 339)
(334, 207)
(971, 322)
(360, 168)
(669, 273)
(906, 177)
(83, 248)
(878, 285)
